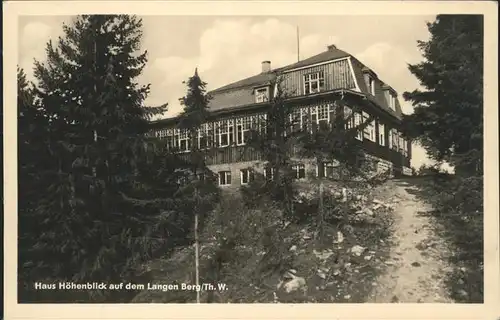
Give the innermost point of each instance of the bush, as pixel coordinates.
(240, 247)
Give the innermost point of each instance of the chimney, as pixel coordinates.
(332, 47)
(266, 66)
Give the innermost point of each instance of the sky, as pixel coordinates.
(230, 48)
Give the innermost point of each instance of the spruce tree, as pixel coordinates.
(448, 112)
(103, 213)
(336, 142)
(275, 145)
(193, 117)
(35, 164)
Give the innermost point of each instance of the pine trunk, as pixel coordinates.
(320, 221)
(196, 248)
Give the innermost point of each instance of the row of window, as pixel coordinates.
(220, 133)
(315, 82)
(247, 175)
(299, 171)
(312, 83)
(396, 140)
(227, 132)
(328, 171)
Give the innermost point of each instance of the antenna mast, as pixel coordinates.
(298, 45)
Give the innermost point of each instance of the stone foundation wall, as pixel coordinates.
(407, 171)
(377, 165)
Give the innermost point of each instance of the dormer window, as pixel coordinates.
(390, 97)
(369, 76)
(392, 101)
(314, 82)
(262, 95)
(371, 85)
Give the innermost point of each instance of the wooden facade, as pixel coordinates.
(313, 92)
(337, 75)
(231, 149)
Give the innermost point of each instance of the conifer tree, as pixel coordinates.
(275, 145)
(194, 115)
(336, 142)
(102, 213)
(448, 112)
(34, 162)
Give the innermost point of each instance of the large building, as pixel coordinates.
(313, 86)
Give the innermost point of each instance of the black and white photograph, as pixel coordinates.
(251, 158)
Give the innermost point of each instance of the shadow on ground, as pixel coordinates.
(458, 218)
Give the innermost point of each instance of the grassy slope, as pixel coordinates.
(266, 247)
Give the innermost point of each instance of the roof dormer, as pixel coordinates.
(369, 77)
(261, 93)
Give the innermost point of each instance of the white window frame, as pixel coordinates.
(183, 135)
(357, 122)
(348, 113)
(263, 130)
(314, 79)
(171, 137)
(261, 94)
(390, 138)
(392, 101)
(369, 131)
(248, 174)
(323, 113)
(405, 147)
(401, 143)
(325, 165)
(297, 168)
(301, 116)
(243, 125)
(381, 134)
(226, 175)
(162, 133)
(371, 85)
(202, 132)
(394, 140)
(296, 118)
(272, 173)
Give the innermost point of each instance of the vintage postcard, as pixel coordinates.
(296, 160)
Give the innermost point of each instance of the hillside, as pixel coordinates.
(381, 248)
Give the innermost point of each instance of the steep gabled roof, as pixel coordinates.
(331, 54)
(260, 79)
(266, 77)
(241, 93)
(379, 98)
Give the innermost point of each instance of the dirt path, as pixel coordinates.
(416, 265)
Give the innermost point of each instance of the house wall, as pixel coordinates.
(242, 154)
(337, 75)
(380, 165)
